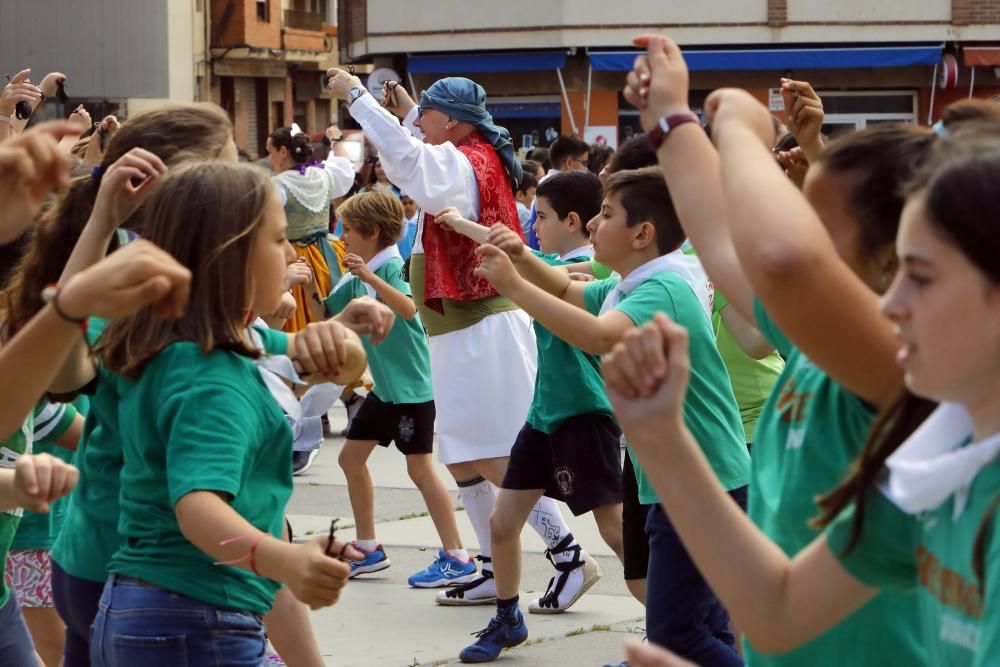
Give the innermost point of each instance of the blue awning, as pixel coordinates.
(783, 59)
(525, 109)
(461, 63)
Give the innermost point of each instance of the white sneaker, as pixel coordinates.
(573, 578)
(480, 591)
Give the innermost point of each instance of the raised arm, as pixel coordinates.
(435, 176)
(590, 333)
(778, 603)
(811, 293)
(690, 164)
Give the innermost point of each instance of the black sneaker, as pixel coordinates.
(302, 461)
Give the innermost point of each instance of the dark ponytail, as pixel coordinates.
(300, 149)
(892, 427)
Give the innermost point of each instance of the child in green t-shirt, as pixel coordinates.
(919, 512)
(207, 449)
(400, 406)
(637, 234)
(57, 429)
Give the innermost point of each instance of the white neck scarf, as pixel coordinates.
(582, 251)
(274, 370)
(687, 267)
(932, 464)
(374, 264)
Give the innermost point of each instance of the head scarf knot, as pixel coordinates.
(465, 100)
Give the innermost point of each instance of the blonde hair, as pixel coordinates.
(371, 212)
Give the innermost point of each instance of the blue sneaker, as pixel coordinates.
(445, 571)
(374, 561)
(497, 636)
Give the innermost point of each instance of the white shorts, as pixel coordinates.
(484, 379)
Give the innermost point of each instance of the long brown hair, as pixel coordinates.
(173, 132)
(207, 216)
(958, 186)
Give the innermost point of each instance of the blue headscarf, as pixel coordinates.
(465, 101)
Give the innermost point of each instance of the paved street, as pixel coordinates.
(381, 621)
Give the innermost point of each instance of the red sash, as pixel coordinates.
(450, 257)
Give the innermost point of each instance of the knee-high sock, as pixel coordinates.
(548, 522)
(478, 497)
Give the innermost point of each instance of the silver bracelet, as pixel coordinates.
(4, 119)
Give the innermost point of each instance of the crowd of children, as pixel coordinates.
(796, 341)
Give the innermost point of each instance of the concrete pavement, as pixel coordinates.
(380, 621)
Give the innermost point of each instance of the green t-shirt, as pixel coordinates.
(89, 535)
(11, 449)
(196, 422)
(931, 554)
(457, 315)
(401, 364)
(752, 379)
(709, 408)
(809, 433)
(568, 381)
(38, 530)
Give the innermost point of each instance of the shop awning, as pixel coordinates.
(981, 56)
(783, 59)
(461, 63)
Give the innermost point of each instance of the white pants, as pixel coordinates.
(484, 379)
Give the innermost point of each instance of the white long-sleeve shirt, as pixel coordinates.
(436, 177)
(341, 173)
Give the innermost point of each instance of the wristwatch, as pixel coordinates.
(354, 93)
(659, 133)
(4, 119)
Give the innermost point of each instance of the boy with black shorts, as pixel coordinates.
(637, 234)
(570, 446)
(400, 406)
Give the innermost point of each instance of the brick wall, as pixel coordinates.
(235, 23)
(975, 12)
(777, 12)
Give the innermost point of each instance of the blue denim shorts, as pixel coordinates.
(140, 624)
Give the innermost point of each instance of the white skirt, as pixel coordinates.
(484, 379)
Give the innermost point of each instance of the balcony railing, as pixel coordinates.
(303, 20)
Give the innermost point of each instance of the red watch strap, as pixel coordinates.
(658, 134)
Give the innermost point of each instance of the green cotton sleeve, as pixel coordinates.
(274, 341)
(52, 420)
(989, 624)
(595, 292)
(770, 330)
(648, 299)
(885, 555)
(600, 271)
(207, 427)
(394, 277)
(719, 302)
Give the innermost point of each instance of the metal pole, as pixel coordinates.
(586, 120)
(930, 110)
(569, 109)
(972, 82)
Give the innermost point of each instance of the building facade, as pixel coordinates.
(119, 56)
(559, 66)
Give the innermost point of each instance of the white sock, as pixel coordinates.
(548, 522)
(367, 545)
(460, 554)
(478, 497)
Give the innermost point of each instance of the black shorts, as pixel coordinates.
(579, 464)
(634, 539)
(410, 425)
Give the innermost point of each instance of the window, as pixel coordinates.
(262, 10)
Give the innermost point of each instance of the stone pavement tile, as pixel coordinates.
(377, 624)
